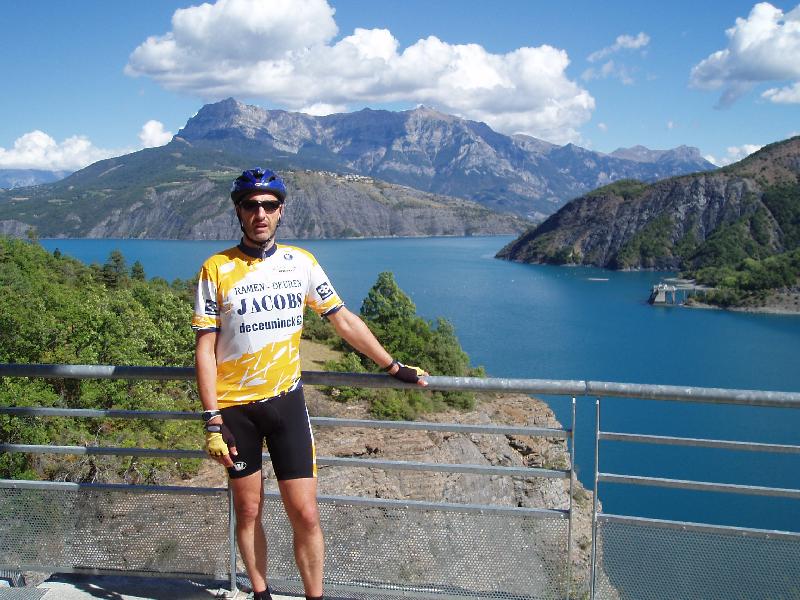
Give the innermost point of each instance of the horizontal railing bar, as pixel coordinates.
(701, 443)
(365, 463)
(24, 484)
(404, 465)
(701, 527)
(449, 427)
(330, 499)
(103, 451)
(92, 413)
(119, 573)
(694, 394)
(703, 486)
(380, 380)
(30, 411)
(441, 506)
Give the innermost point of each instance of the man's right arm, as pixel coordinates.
(206, 368)
(206, 373)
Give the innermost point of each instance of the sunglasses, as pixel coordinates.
(253, 205)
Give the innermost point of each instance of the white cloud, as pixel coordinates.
(37, 150)
(291, 60)
(153, 134)
(735, 154)
(786, 95)
(609, 69)
(602, 127)
(763, 47)
(623, 42)
(671, 124)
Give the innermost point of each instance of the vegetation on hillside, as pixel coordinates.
(54, 309)
(392, 317)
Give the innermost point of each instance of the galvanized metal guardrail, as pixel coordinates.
(572, 388)
(481, 511)
(555, 387)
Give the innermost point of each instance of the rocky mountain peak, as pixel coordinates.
(426, 149)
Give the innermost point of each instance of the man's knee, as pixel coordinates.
(248, 510)
(306, 517)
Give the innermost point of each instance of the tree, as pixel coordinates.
(137, 271)
(392, 317)
(115, 271)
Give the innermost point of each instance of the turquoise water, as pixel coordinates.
(561, 323)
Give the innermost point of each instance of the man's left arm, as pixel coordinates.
(355, 332)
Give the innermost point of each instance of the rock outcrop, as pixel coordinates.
(674, 224)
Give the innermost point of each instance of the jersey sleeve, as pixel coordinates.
(321, 296)
(206, 303)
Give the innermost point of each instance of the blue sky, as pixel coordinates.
(87, 79)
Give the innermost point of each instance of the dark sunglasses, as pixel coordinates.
(252, 205)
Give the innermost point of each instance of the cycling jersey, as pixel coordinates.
(255, 304)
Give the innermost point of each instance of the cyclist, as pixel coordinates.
(248, 319)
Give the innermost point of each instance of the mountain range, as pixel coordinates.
(14, 178)
(433, 151)
(417, 172)
(750, 209)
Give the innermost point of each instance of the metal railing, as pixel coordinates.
(635, 557)
(536, 532)
(375, 547)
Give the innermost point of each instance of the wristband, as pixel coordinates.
(391, 364)
(210, 414)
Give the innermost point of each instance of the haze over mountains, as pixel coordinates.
(416, 172)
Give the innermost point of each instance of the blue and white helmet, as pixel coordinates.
(257, 180)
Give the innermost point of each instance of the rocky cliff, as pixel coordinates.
(683, 222)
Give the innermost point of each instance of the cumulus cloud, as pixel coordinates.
(292, 60)
(763, 47)
(37, 150)
(153, 134)
(623, 42)
(734, 154)
(787, 95)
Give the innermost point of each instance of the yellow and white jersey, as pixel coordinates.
(255, 304)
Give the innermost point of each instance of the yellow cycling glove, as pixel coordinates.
(219, 440)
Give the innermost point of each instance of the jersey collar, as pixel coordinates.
(256, 252)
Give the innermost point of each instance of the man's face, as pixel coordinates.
(259, 214)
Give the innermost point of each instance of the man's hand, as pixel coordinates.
(407, 373)
(220, 443)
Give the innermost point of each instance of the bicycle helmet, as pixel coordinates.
(257, 180)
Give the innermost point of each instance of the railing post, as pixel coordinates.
(232, 537)
(595, 500)
(571, 483)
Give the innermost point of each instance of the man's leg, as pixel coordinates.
(248, 501)
(300, 500)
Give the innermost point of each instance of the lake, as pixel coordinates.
(545, 322)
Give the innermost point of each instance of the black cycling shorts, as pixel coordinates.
(283, 422)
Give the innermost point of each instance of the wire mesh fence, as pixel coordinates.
(645, 559)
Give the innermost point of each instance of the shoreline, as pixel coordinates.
(767, 309)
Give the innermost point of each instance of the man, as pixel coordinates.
(248, 319)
